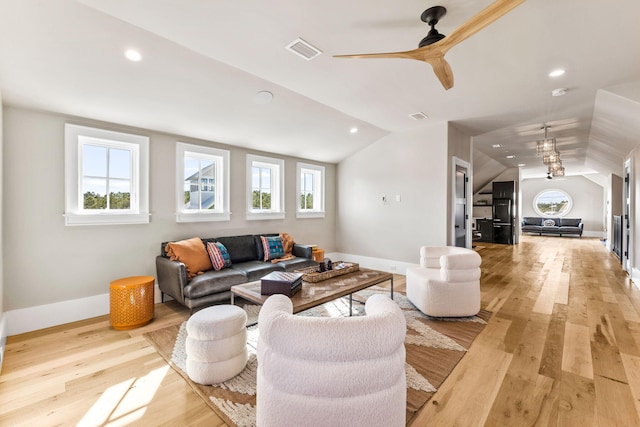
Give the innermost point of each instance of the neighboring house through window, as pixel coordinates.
(106, 177)
(265, 187)
(202, 183)
(310, 191)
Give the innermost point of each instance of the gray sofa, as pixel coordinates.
(561, 226)
(212, 286)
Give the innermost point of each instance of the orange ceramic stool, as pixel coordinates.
(131, 302)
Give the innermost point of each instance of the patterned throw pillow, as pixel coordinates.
(549, 223)
(272, 247)
(219, 255)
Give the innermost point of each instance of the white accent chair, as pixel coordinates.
(447, 283)
(331, 371)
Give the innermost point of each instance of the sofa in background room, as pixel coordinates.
(557, 226)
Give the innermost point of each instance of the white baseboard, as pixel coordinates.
(44, 316)
(635, 277)
(598, 234)
(390, 266)
(3, 337)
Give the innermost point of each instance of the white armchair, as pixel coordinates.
(447, 283)
(328, 371)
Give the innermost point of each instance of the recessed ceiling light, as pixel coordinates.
(557, 73)
(496, 145)
(559, 92)
(263, 97)
(521, 164)
(133, 55)
(511, 156)
(353, 130)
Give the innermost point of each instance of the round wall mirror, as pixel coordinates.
(552, 203)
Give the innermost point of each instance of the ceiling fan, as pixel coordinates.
(434, 46)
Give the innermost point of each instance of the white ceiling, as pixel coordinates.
(204, 60)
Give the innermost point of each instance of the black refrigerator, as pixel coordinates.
(503, 220)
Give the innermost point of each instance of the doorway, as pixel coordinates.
(461, 233)
(627, 231)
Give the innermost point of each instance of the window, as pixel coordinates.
(552, 203)
(202, 183)
(265, 187)
(106, 177)
(310, 193)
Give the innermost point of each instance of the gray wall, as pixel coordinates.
(47, 262)
(413, 165)
(590, 209)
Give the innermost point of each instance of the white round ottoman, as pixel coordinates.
(216, 344)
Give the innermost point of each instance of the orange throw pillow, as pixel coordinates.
(192, 253)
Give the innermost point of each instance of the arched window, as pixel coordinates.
(552, 203)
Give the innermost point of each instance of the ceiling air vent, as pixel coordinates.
(418, 116)
(303, 49)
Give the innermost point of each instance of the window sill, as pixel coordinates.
(73, 219)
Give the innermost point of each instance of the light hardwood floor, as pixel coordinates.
(562, 348)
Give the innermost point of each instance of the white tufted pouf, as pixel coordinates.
(216, 344)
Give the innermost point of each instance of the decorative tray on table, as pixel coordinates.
(311, 274)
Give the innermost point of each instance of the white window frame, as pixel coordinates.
(221, 159)
(318, 190)
(75, 137)
(277, 188)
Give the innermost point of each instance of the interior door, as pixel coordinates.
(626, 219)
(461, 207)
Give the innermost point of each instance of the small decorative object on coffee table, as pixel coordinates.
(280, 282)
(311, 274)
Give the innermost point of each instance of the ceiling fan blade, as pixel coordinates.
(442, 70)
(483, 18)
(431, 54)
(404, 55)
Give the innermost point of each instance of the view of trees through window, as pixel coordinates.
(116, 200)
(106, 171)
(306, 188)
(261, 188)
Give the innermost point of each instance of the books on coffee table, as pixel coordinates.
(281, 282)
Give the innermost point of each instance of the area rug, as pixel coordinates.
(434, 347)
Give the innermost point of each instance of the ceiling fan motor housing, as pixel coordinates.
(431, 16)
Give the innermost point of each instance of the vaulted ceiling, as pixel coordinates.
(203, 62)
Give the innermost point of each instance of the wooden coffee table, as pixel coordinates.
(315, 294)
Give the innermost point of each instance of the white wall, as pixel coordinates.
(412, 165)
(588, 200)
(3, 319)
(49, 264)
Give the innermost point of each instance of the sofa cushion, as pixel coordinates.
(192, 254)
(255, 270)
(240, 248)
(531, 220)
(272, 247)
(219, 255)
(570, 222)
(211, 282)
